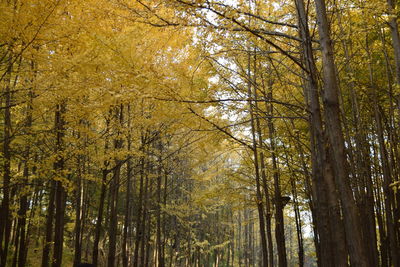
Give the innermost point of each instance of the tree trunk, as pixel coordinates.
(352, 222)
(5, 222)
(49, 226)
(60, 194)
(259, 201)
(279, 221)
(323, 189)
(114, 190)
(158, 211)
(127, 221)
(95, 254)
(78, 215)
(22, 214)
(268, 215)
(139, 233)
(143, 219)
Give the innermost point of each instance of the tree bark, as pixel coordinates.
(49, 226)
(139, 215)
(95, 254)
(352, 222)
(268, 213)
(279, 220)
(159, 239)
(259, 201)
(60, 194)
(78, 215)
(5, 222)
(114, 192)
(325, 201)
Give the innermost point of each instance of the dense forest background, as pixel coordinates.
(199, 133)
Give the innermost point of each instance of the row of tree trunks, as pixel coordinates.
(360, 161)
(56, 204)
(22, 237)
(394, 198)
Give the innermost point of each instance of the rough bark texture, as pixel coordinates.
(352, 222)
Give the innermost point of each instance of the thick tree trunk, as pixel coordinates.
(357, 251)
(328, 222)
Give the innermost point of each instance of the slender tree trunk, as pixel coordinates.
(95, 254)
(259, 201)
(98, 228)
(60, 194)
(127, 221)
(49, 226)
(387, 176)
(279, 221)
(387, 180)
(23, 203)
(362, 163)
(114, 189)
(114, 192)
(159, 239)
(164, 221)
(394, 30)
(5, 222)
(239, 237)
(148, 233)
(310, 199)
(139, 233)
(268, 215)
(143, 219)
(78, 215)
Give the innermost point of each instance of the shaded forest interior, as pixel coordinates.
(199, 133)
